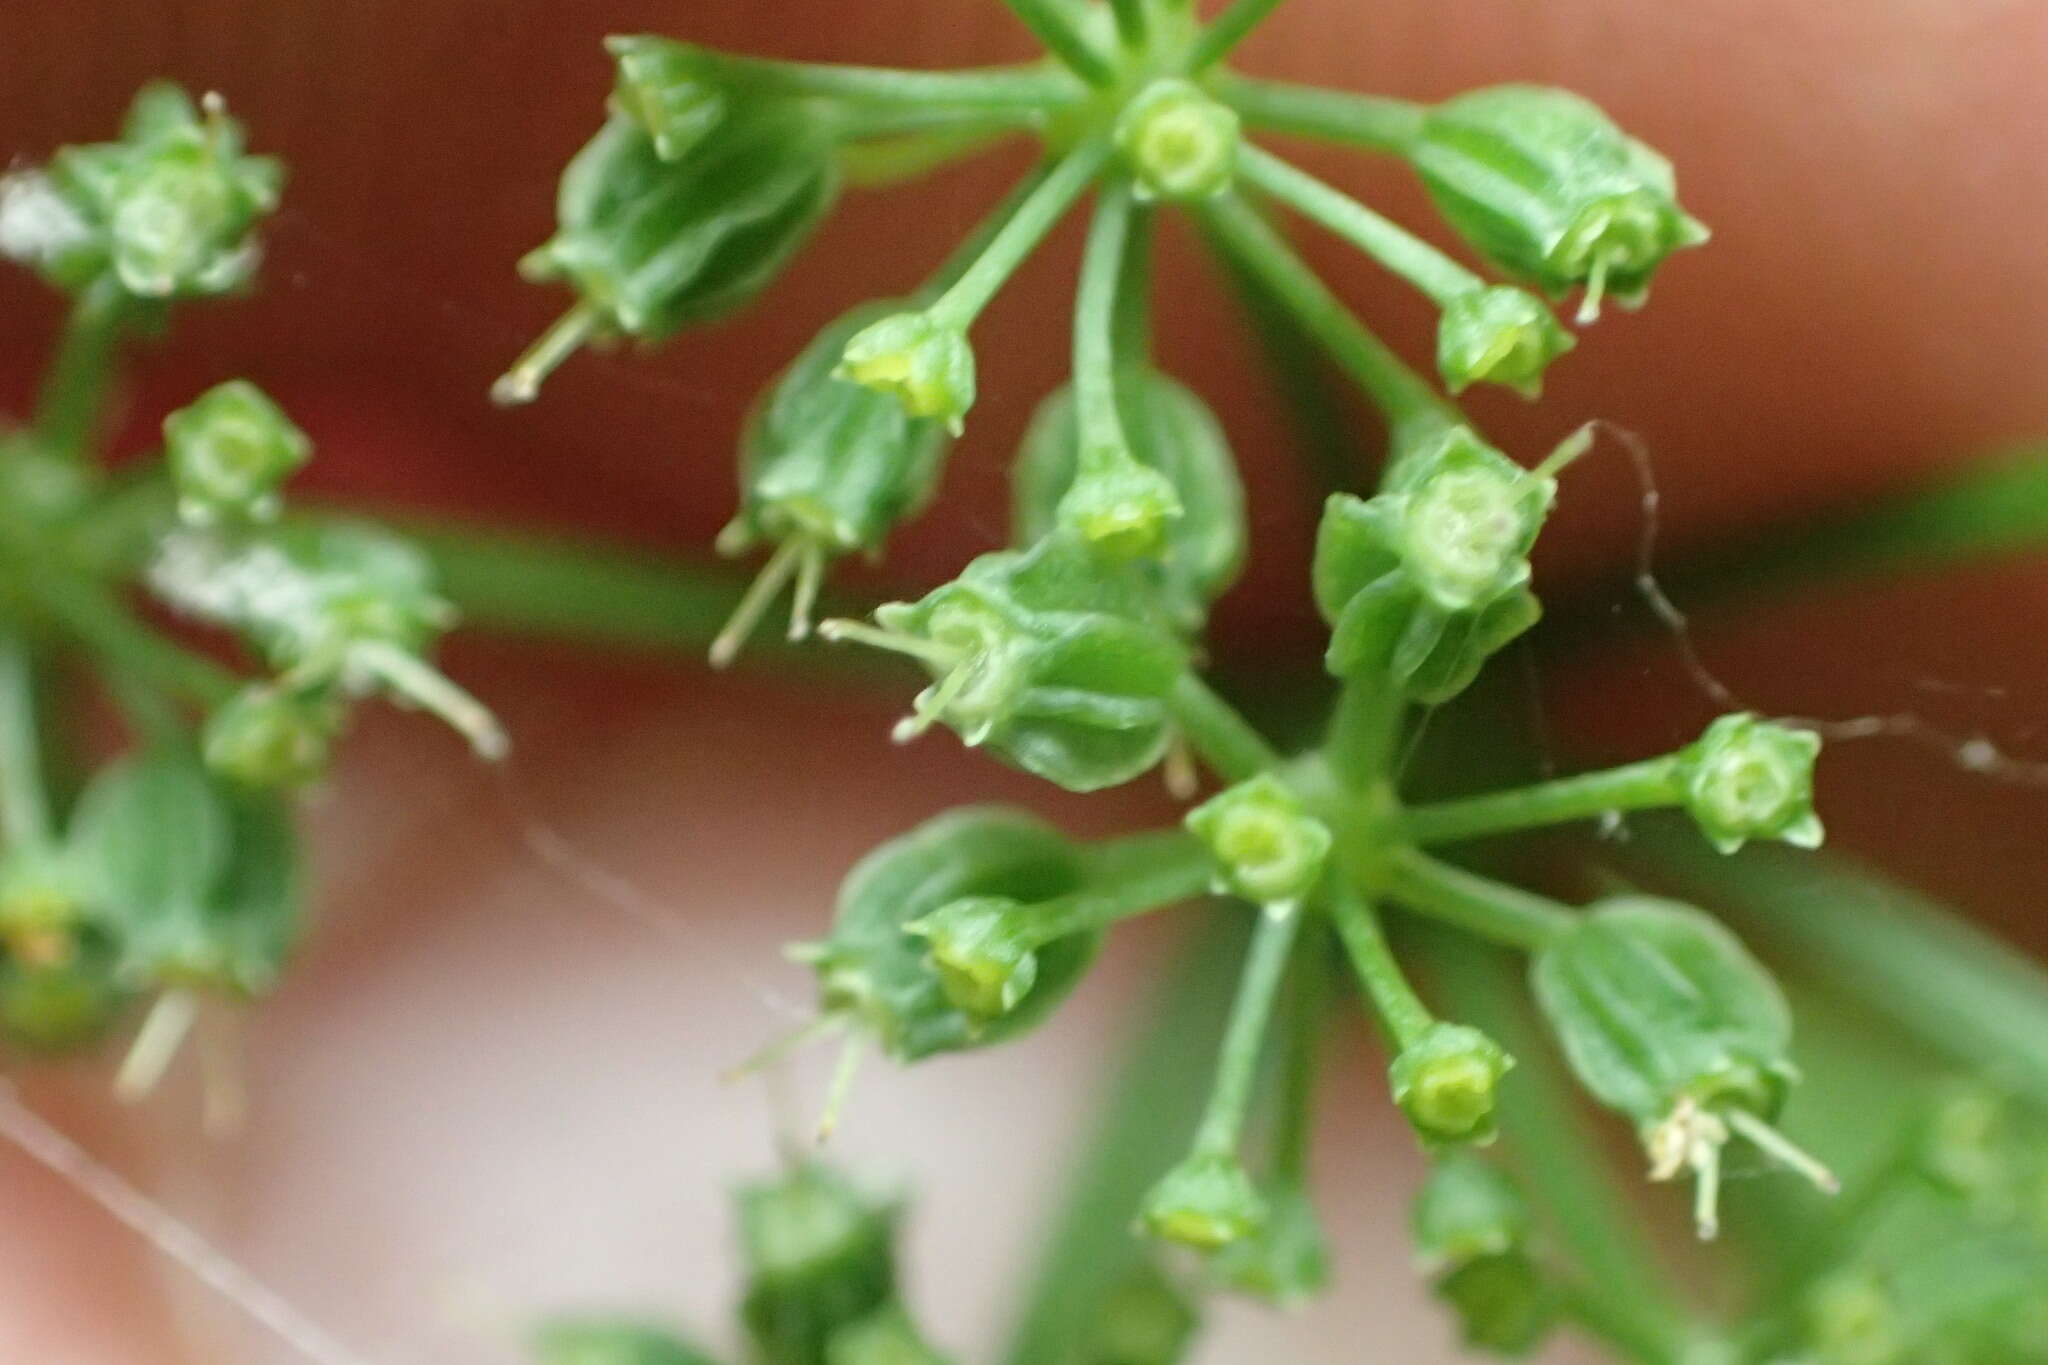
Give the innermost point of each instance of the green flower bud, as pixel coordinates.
(1468, 1209)
(985, 953)
(1544, 185)
(1852, 1320)
(200, 886)
(884, 1337)
(1179, 143)
(1445, 1082)
(675, 92)
(1058, 663)
(1267, 847)
(1498, 335)
(651, 246)
(1664, 1016)
(1171, 431)
(229, 452)
(59, 1007)
(1207, 1202)
(1121, 507)
(610, 1341)
(1285, 1262)
(923, 362)
(1746, 779)
(820, 1256)
(266, 736)
(168, 210)
(1502, 1303)
(878, 971)
(1429, 579)
(827, 468)
(1144, 1319)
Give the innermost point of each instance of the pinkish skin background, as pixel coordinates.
(483, 1088)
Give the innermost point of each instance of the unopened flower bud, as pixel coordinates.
(267, 736)
(1267, 847)
(1498, 335)
(1503, 1304)
(674, 91)
(1179, 142)
(820, 1256)
(1285, 1261)
(1467, 1209)
(1447, 1080)
(1144, 1319)
(1543, 184)
(229, 452)
(925, 363)
(1747, 778)
(984, 950)
(1207, 1202)
(1122, 508)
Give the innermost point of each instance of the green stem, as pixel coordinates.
(1127, 877)
(1479, 905)
(1133, 341)
(1148, 1105)
(1226, 741)
(1132, 23)
(1229, 29)
(1244, 1037)
(1399, 1008)
(1022, 89)
(25, 817)
(1638, 786)
(1365, 731)
(98, 620)
(1294, 1123)
(1413, 409)
(1393, 246)
(1370, 121)
(1050, 24)
(1020, 235)
(68, 407)
(904, 156)
(1096, 358)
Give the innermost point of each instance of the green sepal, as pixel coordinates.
(1747, 778)
(1654, 1002)
(886, 1336)
(1542, 183)
(923, 362)
(675, 92)
(1207, 1202)
(820, 1256)
(198, 885)
(1286, 1261)
(877, 971)
(834, 461)
(1498, 335)
(1143, 1319)
(1267, 847)
(653, 246)
(169, 210)
(229, 452)
(611, 1341)
(1178, 142)
(1467, 1208)
(1053, 660)
(1504, 1304)
(1446, 1082)
(1172, 431)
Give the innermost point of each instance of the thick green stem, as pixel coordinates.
(1479, 905)
(1370, 121)
(1020, 235)
(904, 155)
(1400, 1009)
(1226, 741)
(1237, 1065)
(1231, 27)
(1127, 877)
(1393, 246)
(1648, 785)
(1023, 89)
(1365, 730)
(1413, 409)
(1096, 358)
(1050, 24)
(25, 817)
(68, 407)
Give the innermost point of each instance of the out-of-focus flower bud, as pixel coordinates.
(1178, 142)
(230, 451)
(1206, 1202)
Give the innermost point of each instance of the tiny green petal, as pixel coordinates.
(673, 91)
(1179, 143)
(1208, 1202)
(925, 364)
